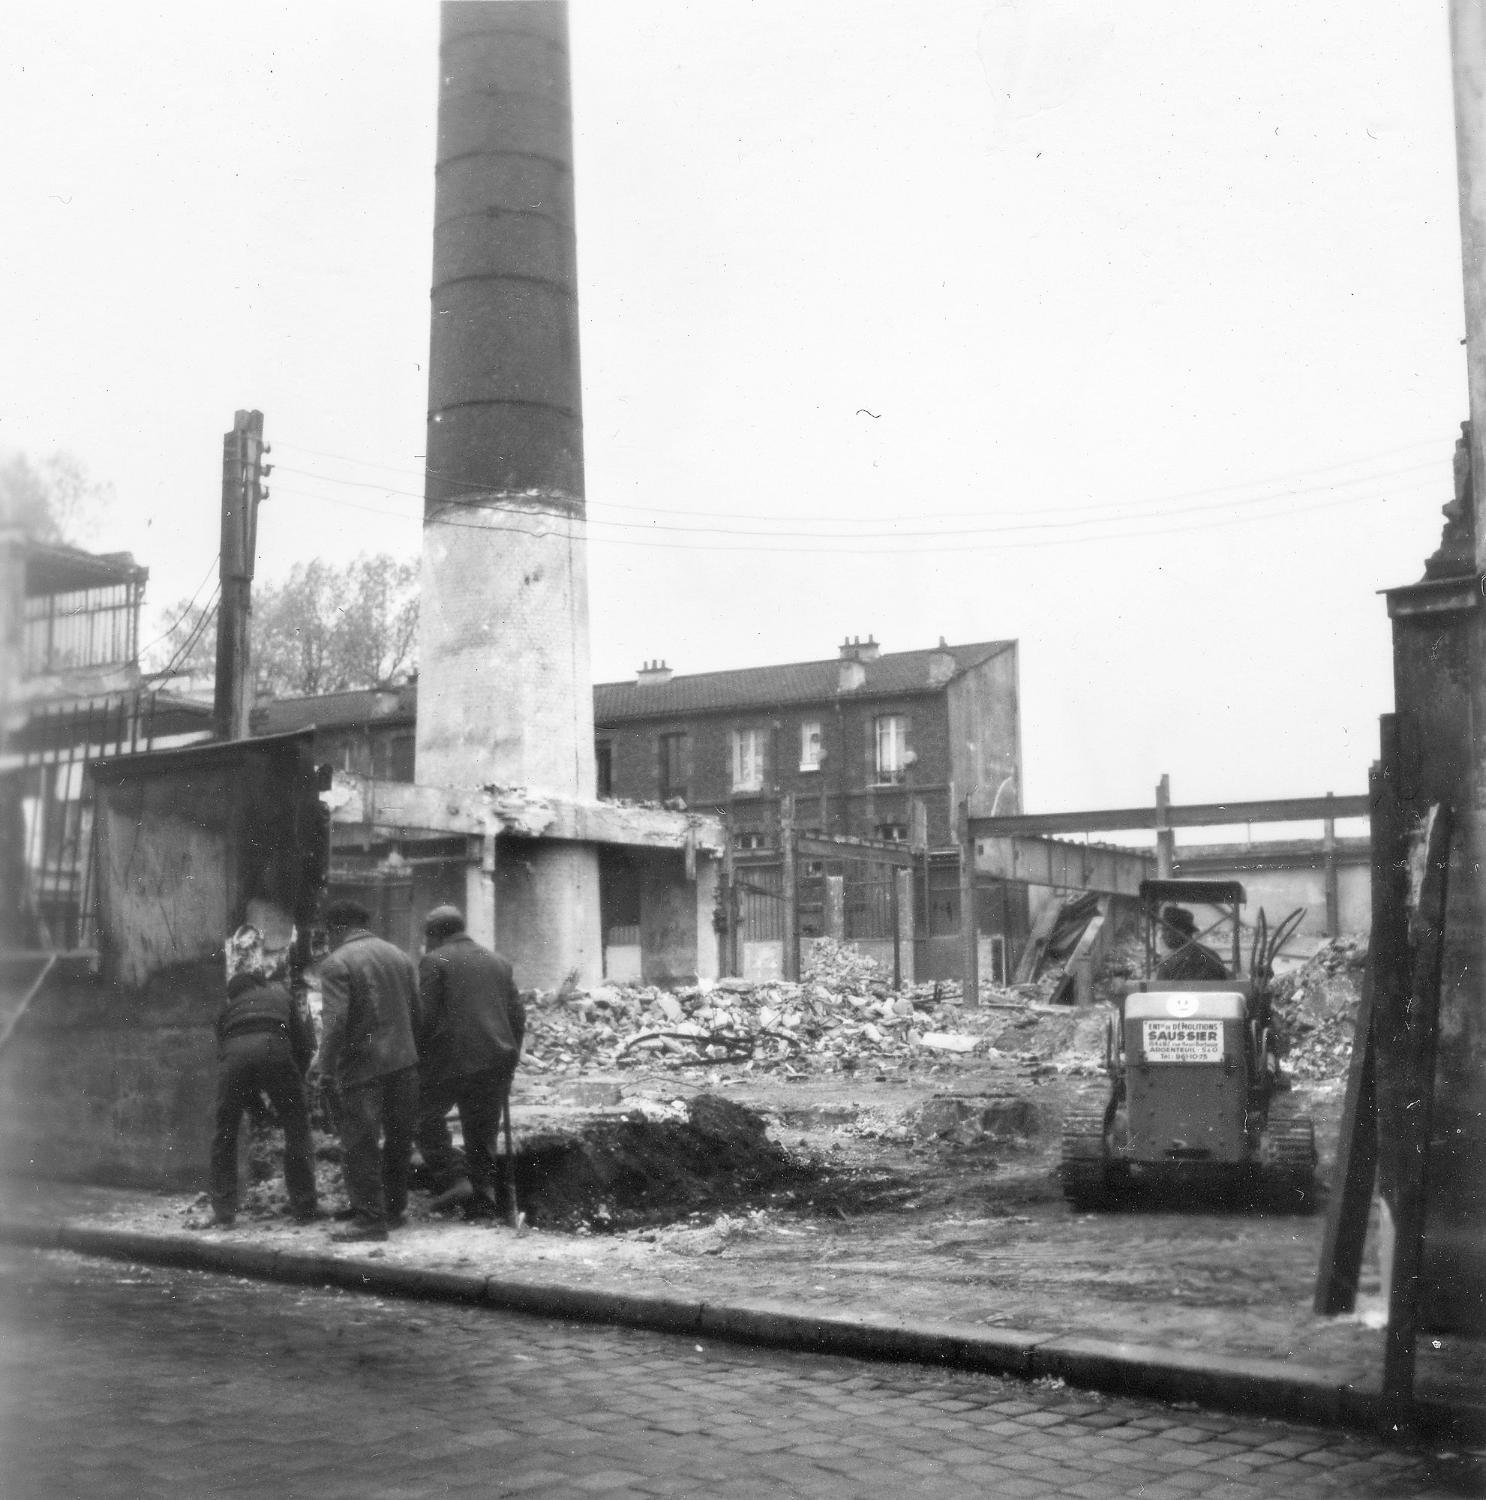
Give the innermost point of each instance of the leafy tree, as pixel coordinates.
(323, 630)
(54, 501)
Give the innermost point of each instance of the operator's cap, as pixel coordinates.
(1179, 918)
(444, 919)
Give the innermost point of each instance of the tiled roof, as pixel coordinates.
(336, 710)
(892, 674)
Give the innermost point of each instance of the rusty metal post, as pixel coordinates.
(969, 917)
(790, 889)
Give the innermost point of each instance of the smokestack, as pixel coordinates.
(504, 691)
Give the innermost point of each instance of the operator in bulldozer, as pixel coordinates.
(1187, 959)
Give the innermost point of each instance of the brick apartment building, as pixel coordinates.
(869, 745)
(858, 740)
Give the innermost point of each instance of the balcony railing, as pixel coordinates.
(88, 628)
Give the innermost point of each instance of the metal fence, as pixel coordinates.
(53, 798)
(86, 628)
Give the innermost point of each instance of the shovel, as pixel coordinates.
(517, 1218)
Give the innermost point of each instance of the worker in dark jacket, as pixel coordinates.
(473, 1023)
(1186, 959)
(368, 1056)
(265, 1041)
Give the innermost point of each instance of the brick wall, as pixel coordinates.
(855, 804)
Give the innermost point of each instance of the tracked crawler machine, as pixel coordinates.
(1193, 1065)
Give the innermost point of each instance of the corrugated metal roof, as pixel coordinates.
(893, 673)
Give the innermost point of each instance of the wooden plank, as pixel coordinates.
(1413, 1126)
(1357, 1142)
(1356, 1170)
(1187, 815)
(1042, 928)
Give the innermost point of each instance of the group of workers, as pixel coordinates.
(402, 1044)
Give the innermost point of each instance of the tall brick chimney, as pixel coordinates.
(504, 690)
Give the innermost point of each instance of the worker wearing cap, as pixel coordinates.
(473, 1023)
(265, 1040)
(369, 1056)
(1187, 959)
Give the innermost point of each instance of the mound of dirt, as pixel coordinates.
(635, 1171)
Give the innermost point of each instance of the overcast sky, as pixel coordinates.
(1132, 332)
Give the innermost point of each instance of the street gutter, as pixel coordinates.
(1264, 1387)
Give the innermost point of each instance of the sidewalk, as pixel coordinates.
(538, 1274)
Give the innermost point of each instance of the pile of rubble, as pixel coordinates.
(1316, 1007)
(842, 1016)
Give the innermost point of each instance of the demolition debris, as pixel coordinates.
(844, 1016)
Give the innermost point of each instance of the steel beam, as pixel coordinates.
(1063, 865)
(1187, 815)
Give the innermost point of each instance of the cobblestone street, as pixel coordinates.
(120, 1380)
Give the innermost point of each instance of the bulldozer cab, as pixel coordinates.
(1215, 908)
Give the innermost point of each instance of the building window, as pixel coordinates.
(748, 760)
(603, 761)
(892, 748)
(672, 766)
(893, 833)
(750, 838)
(810, 745)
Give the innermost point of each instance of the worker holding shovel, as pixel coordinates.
(473, 1023)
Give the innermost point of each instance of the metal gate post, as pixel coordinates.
(969, 923)
(789, 876)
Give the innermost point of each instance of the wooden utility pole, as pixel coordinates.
(242, 490)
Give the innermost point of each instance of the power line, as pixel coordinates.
(189, 644)
(477, 484)
(857, 533)
(190, 604)
(882, 551)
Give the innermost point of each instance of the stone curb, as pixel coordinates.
(1262, 1387)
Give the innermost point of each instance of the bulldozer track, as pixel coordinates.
(1084, 1167)
(1288, 1159)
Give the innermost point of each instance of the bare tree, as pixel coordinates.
(325, 629)
(54, 501)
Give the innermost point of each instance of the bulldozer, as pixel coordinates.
(1194, 1066)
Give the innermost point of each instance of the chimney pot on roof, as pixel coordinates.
(942, 664)
(856, 649)
(653, 671)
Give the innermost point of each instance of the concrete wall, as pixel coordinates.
(110, 1077)
(985, 734)
(678, 944)
(99, 1083)
(1281, 884)
(547, 911)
